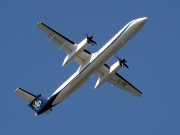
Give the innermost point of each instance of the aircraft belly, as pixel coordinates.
(94, 65)
(62, 95)
(83, 77)
(71, 87)
(89, 64)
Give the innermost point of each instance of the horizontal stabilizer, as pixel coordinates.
(29, 97)
(48, 111)
(35, 102)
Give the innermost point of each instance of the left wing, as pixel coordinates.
(118, 80)
(65, 44)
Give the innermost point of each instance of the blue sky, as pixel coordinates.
(29, 60)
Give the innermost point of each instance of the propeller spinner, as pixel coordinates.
(89, 39)
(122, 62)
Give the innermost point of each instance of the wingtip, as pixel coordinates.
(39, 23)
(17, 89)
(140, 94)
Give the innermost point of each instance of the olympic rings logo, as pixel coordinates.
(36, 104)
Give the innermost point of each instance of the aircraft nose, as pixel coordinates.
(142, 20)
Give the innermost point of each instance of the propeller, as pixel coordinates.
(89, 39)
(122, 62)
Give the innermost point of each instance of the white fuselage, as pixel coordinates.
(81, 76)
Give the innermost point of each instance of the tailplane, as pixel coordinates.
(35, 102)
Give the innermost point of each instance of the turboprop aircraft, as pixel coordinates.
(90, 64)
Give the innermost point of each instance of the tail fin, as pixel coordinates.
(35, 102)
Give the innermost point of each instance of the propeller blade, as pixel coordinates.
(89, 39)
(126, 65)
(122, 62)
(92, 41)
(118, 58)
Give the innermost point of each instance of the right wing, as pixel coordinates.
(65, 44)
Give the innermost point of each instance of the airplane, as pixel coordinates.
(90, 64)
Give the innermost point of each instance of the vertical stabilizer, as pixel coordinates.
(37, 103)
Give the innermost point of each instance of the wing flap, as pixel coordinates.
(83, 57)
(29, 97)
(102, 70)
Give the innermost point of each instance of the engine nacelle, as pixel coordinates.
(80, 47)
(113, 69)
